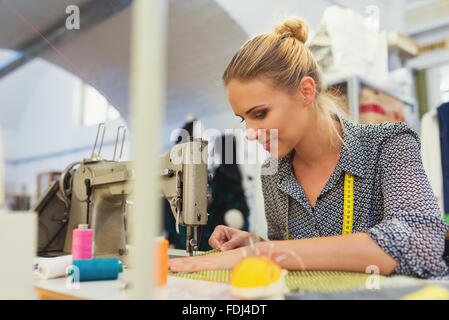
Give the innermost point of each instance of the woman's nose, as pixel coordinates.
(251, 134)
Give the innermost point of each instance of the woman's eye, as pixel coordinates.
(242, 120)
(261, 114)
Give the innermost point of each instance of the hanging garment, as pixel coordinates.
(443, 115)
(228, 194)
(227, 189)
(431, 154)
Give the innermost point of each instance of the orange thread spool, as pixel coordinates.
(161, 267)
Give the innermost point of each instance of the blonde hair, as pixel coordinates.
(283, 57)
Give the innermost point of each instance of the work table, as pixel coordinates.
(176, 288)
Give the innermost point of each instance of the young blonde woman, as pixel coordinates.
(274, 82)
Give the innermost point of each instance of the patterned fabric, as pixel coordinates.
(314, 281)
(319, 281)
(393, 199)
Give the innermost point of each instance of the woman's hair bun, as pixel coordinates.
(296, 27)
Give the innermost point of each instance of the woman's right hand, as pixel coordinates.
(226, 238)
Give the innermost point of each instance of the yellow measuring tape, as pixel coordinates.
(348, 208)
(348, 211)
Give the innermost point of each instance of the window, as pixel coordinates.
(8, 56)
(95, 108)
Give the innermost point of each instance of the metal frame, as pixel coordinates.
(92, 13)
(355, 83)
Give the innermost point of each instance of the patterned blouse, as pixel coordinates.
(393, 199)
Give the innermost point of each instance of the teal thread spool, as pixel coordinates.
(95, 269)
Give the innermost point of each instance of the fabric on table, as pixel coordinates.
(313, 281)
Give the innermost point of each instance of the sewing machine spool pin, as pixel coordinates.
(98, 156)
(116, 142)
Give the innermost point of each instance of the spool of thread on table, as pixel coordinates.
(82, 243)
(49, 268)
(95, 269)
(161, 267)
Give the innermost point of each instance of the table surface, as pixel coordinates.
(177, 288)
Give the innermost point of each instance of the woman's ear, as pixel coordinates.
(307, 90)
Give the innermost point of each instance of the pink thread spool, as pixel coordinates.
(82, 243)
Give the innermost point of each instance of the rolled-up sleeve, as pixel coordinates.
(412, 231)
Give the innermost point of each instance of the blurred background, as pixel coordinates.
(61, 77)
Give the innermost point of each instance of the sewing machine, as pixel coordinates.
(96, 192)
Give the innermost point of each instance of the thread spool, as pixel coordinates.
(95, 269)
(49, 268)
(82, 243)
(161, 268)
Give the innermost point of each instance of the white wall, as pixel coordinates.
(256, 16)
(44, 135)
(49, 122)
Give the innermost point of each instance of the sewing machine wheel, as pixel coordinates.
(65, 182)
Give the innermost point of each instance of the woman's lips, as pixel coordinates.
(268, 145)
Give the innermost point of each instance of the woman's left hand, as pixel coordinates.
(215, 261)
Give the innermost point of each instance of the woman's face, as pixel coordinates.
(265, 108)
